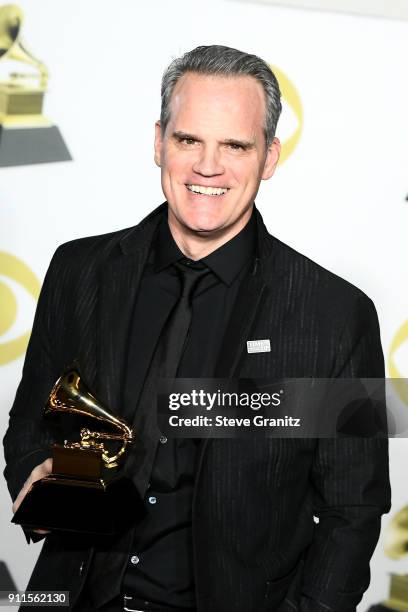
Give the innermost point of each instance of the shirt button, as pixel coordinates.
(134, 559)
(152, 499)
(163, 439)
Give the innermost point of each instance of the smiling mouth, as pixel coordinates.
(209, 191)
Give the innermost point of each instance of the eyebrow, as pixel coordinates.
(181, 135)
(245, 144)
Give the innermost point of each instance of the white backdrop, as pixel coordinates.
(339, 197)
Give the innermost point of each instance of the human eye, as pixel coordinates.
(236, 146)
(188, 141)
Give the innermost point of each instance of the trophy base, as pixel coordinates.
(81, 506)
(22, 146)
(18, 99)
(398, 599)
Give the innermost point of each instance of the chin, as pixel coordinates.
(198, 220)
(203, 223)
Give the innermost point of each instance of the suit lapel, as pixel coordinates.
(250, 298)
(121, 273)
(248, 303)
(118, 287)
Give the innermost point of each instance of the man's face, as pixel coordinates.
(213, 153)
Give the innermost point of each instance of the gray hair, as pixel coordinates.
(223, 61)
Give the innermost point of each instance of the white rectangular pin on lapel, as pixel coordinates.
(259, 346)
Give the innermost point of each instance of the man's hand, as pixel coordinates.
(40, 471)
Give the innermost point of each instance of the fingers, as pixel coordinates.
(22, 494)
(40, 471)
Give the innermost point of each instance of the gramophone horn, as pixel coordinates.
(11, 17)
(70, 394)
(396, 535)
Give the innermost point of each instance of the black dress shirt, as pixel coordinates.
(160, 565)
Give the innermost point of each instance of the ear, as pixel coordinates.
(272, 158)
(157, 143)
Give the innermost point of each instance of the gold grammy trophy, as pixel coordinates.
(26, 136)
(396, 547)
(86, 491)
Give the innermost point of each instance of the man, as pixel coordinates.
(229, 524)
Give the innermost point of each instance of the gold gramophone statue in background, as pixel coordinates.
(396, 547)
(26, 136)
(85, 491)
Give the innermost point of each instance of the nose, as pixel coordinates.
(208, 162)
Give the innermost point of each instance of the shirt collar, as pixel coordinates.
(225, 262)
(166, 251)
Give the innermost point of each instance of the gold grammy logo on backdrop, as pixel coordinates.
(13, 268)
(398, 380)
(26, 136)
(291, 96)
(396, 535)
(396, 547)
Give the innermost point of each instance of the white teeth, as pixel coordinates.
(212, 191)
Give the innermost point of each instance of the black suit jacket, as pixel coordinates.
(256, 544)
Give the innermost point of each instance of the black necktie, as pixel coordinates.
(174, 337)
